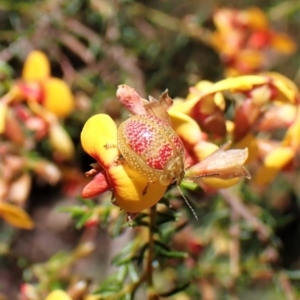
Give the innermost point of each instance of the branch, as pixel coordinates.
(241, 209)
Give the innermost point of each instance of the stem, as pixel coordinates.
(149, 270)
(171, 23)
(234, 232)
(241, 210)
(147, 275)
(286, 286)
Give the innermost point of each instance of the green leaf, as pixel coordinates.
(83, 219)
(164, 250)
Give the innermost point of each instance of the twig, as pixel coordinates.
(171, 23)
(283, 9)
(234, 232)
(147, 275)
(151, 244)
(245, 213)
(286, 286)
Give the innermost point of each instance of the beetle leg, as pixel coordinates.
(144, 191)
(119, 160)
(130, 218)
(109, 146)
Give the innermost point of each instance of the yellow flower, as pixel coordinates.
(38, 85)
(264, 102)
(99, 140)
(133, 191)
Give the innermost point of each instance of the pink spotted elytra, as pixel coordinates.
(151, 147)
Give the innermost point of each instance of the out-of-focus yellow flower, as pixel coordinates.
(38, 85)
(244, 39)
(58, 295)
(59, 139)
(15, 216)
(186, 128)
(277, 156)
(263, 103)
(48, 99)
(205, 102)
(99, 140)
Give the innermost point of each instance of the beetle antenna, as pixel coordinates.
(187, 203)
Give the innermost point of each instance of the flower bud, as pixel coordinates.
(58, 97)
(36, 67)
(78, 289)
(221, 164)
(131, 100)
(47, 170)
(19, 189)
(61, 141)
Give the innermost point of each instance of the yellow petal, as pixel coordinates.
(220, 101)
(200, 86)
(193, 97)
(217, 183)
(36, 67)
(15, 216)
(229, 126)
(187, 129)
(249, 59)
(58, 97)
(286, 88)
(249, 141)
(244, 83)
(273, 163)
(98, 131)
(283, 43)
(3, 113)
(129, 186)
(58, 295)
(256, 18)
(204, 149)
(61, 141)
(292, 136)
(241, 83)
